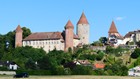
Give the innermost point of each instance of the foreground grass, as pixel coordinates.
(72, 77)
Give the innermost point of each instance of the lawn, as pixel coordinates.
(72, 77)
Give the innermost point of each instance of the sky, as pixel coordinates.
(52, 15)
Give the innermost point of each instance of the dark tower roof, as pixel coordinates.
(69, 25)
(18, 29)
(82, 19)
(113, 28)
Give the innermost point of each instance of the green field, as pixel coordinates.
(72, 77)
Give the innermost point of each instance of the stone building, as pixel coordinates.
(56, 40)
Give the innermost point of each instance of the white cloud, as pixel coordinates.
(120, 18)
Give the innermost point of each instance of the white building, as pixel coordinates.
(134, 71)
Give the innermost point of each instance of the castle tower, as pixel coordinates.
(114, 38)
(113, 29)
(18, 37)
(69, 35)
(83, 29)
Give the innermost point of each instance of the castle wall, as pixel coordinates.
(47, 45)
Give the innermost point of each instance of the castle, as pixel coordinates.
(56, 40)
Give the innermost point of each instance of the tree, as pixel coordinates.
(60, 56)
(82, 70)
(26, 32)
(136, 53)
(47, 63)
(138, 43)
(97, 43)
(22, 55)
(100, 56)
(103, 40)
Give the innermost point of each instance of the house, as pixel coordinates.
(13, 66)
(82, 62)
(10, 65)
(132, 36)
(134, 71)
(98, 66)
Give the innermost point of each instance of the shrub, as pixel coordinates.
(35, 72)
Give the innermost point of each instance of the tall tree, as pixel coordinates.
(26, 32)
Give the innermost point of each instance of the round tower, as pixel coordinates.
(18, 37)
(83, 29)
(69, 35)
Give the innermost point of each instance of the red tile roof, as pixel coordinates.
(47, 35)
(128, 35)
(44, 36)
(82, 19)
(18, 29)
(113, 28)
(99, 65)
(69, 25)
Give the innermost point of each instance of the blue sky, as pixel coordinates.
(52, 15)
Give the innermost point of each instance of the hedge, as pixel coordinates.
(35, 72)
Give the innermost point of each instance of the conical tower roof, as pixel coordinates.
(113, 28)
(82, 19)
(18, 29)
(69, 25)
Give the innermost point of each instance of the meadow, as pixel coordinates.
(72, 77)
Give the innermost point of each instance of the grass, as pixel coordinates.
(72, 77)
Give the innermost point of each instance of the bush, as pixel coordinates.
(35, 72)
(136, 53)
(82, 70)
(3, 68)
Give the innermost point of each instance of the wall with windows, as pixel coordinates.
(47, 45)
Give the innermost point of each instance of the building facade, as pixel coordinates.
(56, 40)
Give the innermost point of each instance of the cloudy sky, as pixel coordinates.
(52, 15)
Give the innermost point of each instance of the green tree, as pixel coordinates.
(100, 56)
(82, 70)
(26, 32)
(47, 63)
(21, 55)
(103, 40)
(136, 53)
(138, 43)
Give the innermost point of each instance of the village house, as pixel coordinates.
(134, 71)
(10, 65)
